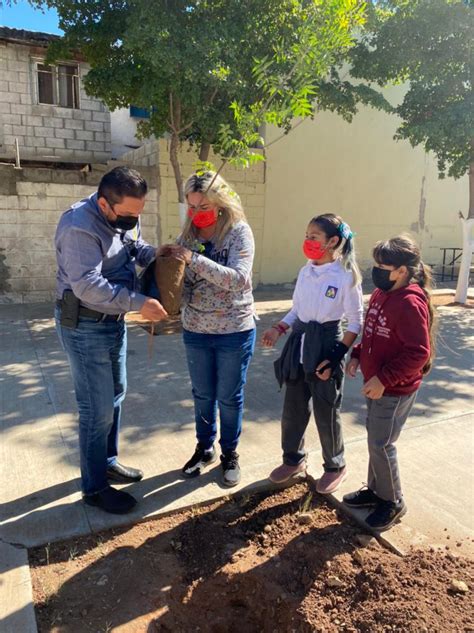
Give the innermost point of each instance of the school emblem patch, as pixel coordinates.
(331, 292)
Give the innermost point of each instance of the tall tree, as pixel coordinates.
(428, 44)
(211, 71)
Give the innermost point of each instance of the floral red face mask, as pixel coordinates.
(313, 249)
(202, 219)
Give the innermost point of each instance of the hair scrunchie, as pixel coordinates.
(344, 231)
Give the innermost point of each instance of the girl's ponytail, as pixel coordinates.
(349, 260)
(424, 278)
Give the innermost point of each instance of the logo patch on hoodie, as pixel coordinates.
(331, 292)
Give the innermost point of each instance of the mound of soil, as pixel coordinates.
(274, 562)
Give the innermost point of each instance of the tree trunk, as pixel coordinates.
(204, 151)
(471, 190)
(467, 245)
(178, 176)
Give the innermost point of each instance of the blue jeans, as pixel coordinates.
(218, 366)
(97, 357)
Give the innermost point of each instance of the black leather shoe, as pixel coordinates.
(111, 500)
(123, 474)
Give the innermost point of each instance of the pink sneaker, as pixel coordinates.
(285, 472)
(330, 481)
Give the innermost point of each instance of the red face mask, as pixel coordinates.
(202, 219)
(313, 249)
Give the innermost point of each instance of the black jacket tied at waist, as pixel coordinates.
(318, 341)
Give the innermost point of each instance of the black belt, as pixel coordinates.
(94, 314)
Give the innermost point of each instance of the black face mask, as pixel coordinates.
(381, 278)
(124, 222)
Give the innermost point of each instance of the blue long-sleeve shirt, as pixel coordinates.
(97, 262)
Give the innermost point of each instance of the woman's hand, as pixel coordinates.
(373, 388)
(326, 374)
(270, 337)
(180, 252)
(352, 367)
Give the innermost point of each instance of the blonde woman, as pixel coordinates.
(217, 245)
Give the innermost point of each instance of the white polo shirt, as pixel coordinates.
(326, 293)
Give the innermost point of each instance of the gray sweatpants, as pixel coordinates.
(385, 420)
(326, 397)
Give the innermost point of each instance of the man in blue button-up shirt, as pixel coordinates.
(98, 244)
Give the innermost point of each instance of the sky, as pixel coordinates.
(21, 15)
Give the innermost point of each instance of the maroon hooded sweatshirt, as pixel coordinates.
(395, 343)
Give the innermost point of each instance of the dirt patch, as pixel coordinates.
(274, 562)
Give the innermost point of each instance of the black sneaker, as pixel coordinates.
(386, 514)
(363, 498)
(231, 469)
(111, 500)
(201, 458)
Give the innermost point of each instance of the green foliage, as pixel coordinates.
(213, 71)
(427, 43)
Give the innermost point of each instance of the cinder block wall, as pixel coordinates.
(47, 131)
(31, 202)
(248, 183)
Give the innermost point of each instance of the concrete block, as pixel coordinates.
(62, 133)
(7, 75)
(62, 204)
(51, 121)
(54, 189)
(21, 88)
(42, 283)
(43, 131)
(29, 119)
(101, 136)
(11, 230)
(12, 119)
(40, 230)
(83, 135)
(91, 104)
(74, 124)
(101, 116)
(26, 99)
(75, 144)
(15, 65)
(38, 296)
(94, 126)
(9, 202)
(5, 108)
(55, 142)
(31, 188)
(36, 203)
(95, 146)
(37, 141)
(82, 115)
(31, 217)
(10, 140)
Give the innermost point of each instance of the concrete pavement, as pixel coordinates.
(39, 462)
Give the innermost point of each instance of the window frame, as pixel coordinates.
(37, 61)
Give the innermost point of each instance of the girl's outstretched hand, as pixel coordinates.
(270, 337)
(352, 367)
(373, 388)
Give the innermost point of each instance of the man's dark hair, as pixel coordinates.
(121, 182)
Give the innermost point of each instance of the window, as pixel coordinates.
(139, 113)
(58, 85)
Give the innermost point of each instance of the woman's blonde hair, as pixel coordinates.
(218, 192)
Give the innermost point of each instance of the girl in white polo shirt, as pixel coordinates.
(311, 363)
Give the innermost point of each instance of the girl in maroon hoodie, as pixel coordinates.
(394, 353)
